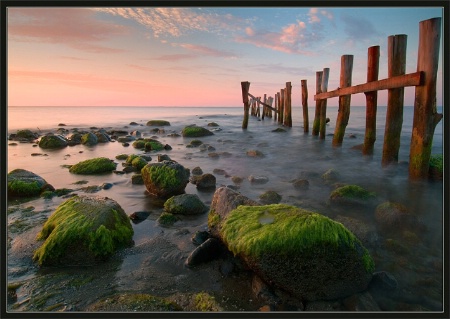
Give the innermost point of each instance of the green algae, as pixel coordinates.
(139, 163)
(80, 221)
(163, 175)
(195, 131)
(148, 144)
(132, 302)
(205, 302)
(167, 219)
(93, 166)
(158, 123)
(292, 231)
(436, 161)
(352, 191)
(23, 189)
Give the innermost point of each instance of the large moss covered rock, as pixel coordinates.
(195, 131)
(83, 230)
(93, 166)
(23, 183)
(53, 142)
(302, 252)
(165, 179)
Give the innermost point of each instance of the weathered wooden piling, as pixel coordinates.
(394, 112)
(264, 107)
(425, 112)
(323, 103)
(281, 114)
(305, 106)
(245, 87)
(344, 100)
(288, 105)
(275, 117)
(316, 122)
(373, 60)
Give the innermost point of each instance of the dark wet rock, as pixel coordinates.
(322, 271)
(351, 135)
(213, 155)
(126, 138)
(125, 144)
(195, 131)
(23, 183)
(194, 143)
(200, 237)
(226, 267)
(206, 147)
(383, 280)
(122, 157)
(139, 216)
(300, 183)
(89, 139)
(167, 147)
(258, 179)
(93, 166)
(74, 138)
(254, 153)
(91, 189)
(132, 303)
(38, 154)
(237, 179)
(167, 219)
(163, 157)
(137, 179)
(330, 175)
(213, 124)
(25, 135)
(173, 135)
(52, 142)
(117, 132)
(136, 134)
(323, 306)
(205, 181)
(279, 130)
(185, 204)
(133, 123)
(197, 171)
(395, 217)
(270, 197)
(206, 252)
(165, 179)
(106, 185)
(219, 171)
(102, 137)
(264, 292)
(360, 302)
(352, 195)
(83, 230)
(129, 169)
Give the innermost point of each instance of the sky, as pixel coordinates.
(197, 56)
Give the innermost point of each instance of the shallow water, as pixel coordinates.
(155, 264)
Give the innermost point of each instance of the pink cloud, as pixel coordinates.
(74, 27)
(175, 57)
(204, 50)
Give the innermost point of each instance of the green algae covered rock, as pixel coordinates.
(195, 131)
(302, 252)
(185, 204)
(158, 123)
(165, 179)
(93, 166)
(23, 183)
(132, 302)
(148, 144)
(435, 170)
(351, 194)
(83, 230)
(53, 142)
(89, 139)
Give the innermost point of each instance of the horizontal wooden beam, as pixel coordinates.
(411, 79)
(259, 102)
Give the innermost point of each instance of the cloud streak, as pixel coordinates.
(73, 27)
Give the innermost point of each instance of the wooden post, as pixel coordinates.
(258, 108)
(305, 106)
(276, 107)
(344, 100)
(316, 122)
(245, 87)
(264, 107)
(281, 115)
(371, 100)
(394, 113)
(323, 103)
(287, 105)
(425, 113)
(270, 102)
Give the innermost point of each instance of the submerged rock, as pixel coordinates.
(395, 217)
(165, 179)
(270, 197)
(351, 195)
(23, 183)
(83, 230)
(93, 166)
(195, 131)
(52, 142)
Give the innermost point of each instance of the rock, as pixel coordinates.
(361, 302)
(158, 123)
(395, 217)
(366, 233)
(258, 179)
(301, 184)
(237, 179)
(195, 131)
(133, 123)
(148, 144)
(122, 157)
(52, 142)
(89, 139)
(136, 134)
(279, 130)
(270, 197)
(74, 138)
(137, 179)
(167, 219)
(132, 303)
(213, 124)
(102, 137)
(351, 195)
(83, 230)
(197, 171)
(165, 179)
(208, 251)
(106, 186)
(185, 204)
(205, 182)
(126, 138)
(163, 157)
(23, 183)
(194, 143)
(138, 163)
(200, 237)
(25, 135)
(264, 292)
(330, 176)
(332, 264)
(93, 166)
(254, 153)
(383, 281)
(139, 216)
(219, 171)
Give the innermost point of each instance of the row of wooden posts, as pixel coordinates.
(425, 112)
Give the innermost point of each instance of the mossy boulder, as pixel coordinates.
(133, 302)
(167, 219)
(185, 204)
(25, 135)
(270, 197)
(328, 261)
(392, 217)
(102, 137)
(165, 179)
(148, 144)
(352, 195)
(53, 142)
(302, 252)
(139, 163)
(96, 165)
(74, 138)
(89, 139)
(83, 230)
(158, 123)
(23, 183)
(195, 131)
